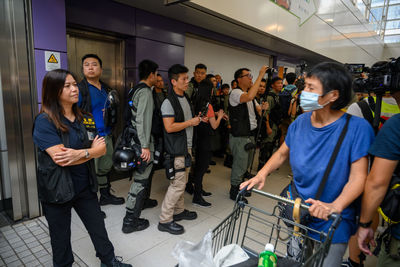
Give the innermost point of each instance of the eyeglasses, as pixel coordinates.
(248, 75)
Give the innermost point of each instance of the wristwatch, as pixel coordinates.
(365, 225)
(86, 154)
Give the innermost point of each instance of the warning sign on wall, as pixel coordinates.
(52, 60)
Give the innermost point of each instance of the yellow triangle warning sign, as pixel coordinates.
(52, 59)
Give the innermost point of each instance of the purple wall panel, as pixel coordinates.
(163, 54)
(49, 30)
(131, 76)
(41, 69)
(130, 53)
(155, 27)
(101, 14)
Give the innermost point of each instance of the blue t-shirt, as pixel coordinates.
(310, 151)
(387, 146)
(45, 135)
(98, 99)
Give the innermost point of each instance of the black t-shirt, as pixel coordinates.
(387, 146)
(45, 135)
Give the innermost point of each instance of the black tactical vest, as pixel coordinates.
(176, 143)
(239, 119)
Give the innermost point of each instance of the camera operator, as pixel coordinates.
(243, 121)
(142, 106)
(273, 120)
(386, 150)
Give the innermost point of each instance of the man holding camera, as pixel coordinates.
(243, 121)
(386, 150)
(141, 107)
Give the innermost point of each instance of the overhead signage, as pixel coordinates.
(303, 9)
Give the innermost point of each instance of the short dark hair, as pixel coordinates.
(239, 72)
(264, 80)
(159, 75)
(175, 70)
(299, 85)
(233, 81)
(209, 76)
(290, 78)
(275, 79)
(334, 76)
(146, 67)
(225, 85)
(200, 66)
(92, 56)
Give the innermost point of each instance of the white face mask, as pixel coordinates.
(309, 101)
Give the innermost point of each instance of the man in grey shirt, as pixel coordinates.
(178, 121)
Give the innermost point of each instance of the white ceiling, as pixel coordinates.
(196, 15)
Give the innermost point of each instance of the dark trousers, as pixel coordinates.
(59, 219)
(203, 158)
(266, 151)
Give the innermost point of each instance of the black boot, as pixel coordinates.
(171, 227)
(205, 193)
(133, 224)
(228, 161)
(198, 200)
(149, 203)
(189, 188)
(234, 192)
(115, 262)
(107, 198)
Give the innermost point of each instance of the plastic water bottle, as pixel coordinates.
(268, 257)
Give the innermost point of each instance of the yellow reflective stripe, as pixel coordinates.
(395, 186)
(386, 218)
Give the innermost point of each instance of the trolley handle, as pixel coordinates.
(335, 217)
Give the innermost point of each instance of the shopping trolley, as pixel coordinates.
(251, 228)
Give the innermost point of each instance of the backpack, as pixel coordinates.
(390, 206)
(129, 104)
(285, 97)
(275, 115)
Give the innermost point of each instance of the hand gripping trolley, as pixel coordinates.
(251, 228)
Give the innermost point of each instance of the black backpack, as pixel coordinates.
(276, 113)
(285, 97)
(390, 206)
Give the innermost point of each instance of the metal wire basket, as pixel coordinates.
(252, 227)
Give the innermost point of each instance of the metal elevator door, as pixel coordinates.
(111, 51)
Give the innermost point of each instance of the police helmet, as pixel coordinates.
(124, 159)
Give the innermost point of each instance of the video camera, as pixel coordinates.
(383, 76)
(301, 68)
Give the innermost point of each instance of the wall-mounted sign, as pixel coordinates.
(52, 60)
(303, 9)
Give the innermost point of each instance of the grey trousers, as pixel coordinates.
(241, 158)
(335, 255)
(138, 191)
(104, 164)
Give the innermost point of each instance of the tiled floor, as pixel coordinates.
(146, 248)
(27, 244)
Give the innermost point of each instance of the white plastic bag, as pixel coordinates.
(189, 254)
(230, 255)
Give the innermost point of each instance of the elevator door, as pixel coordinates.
(109, 49)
